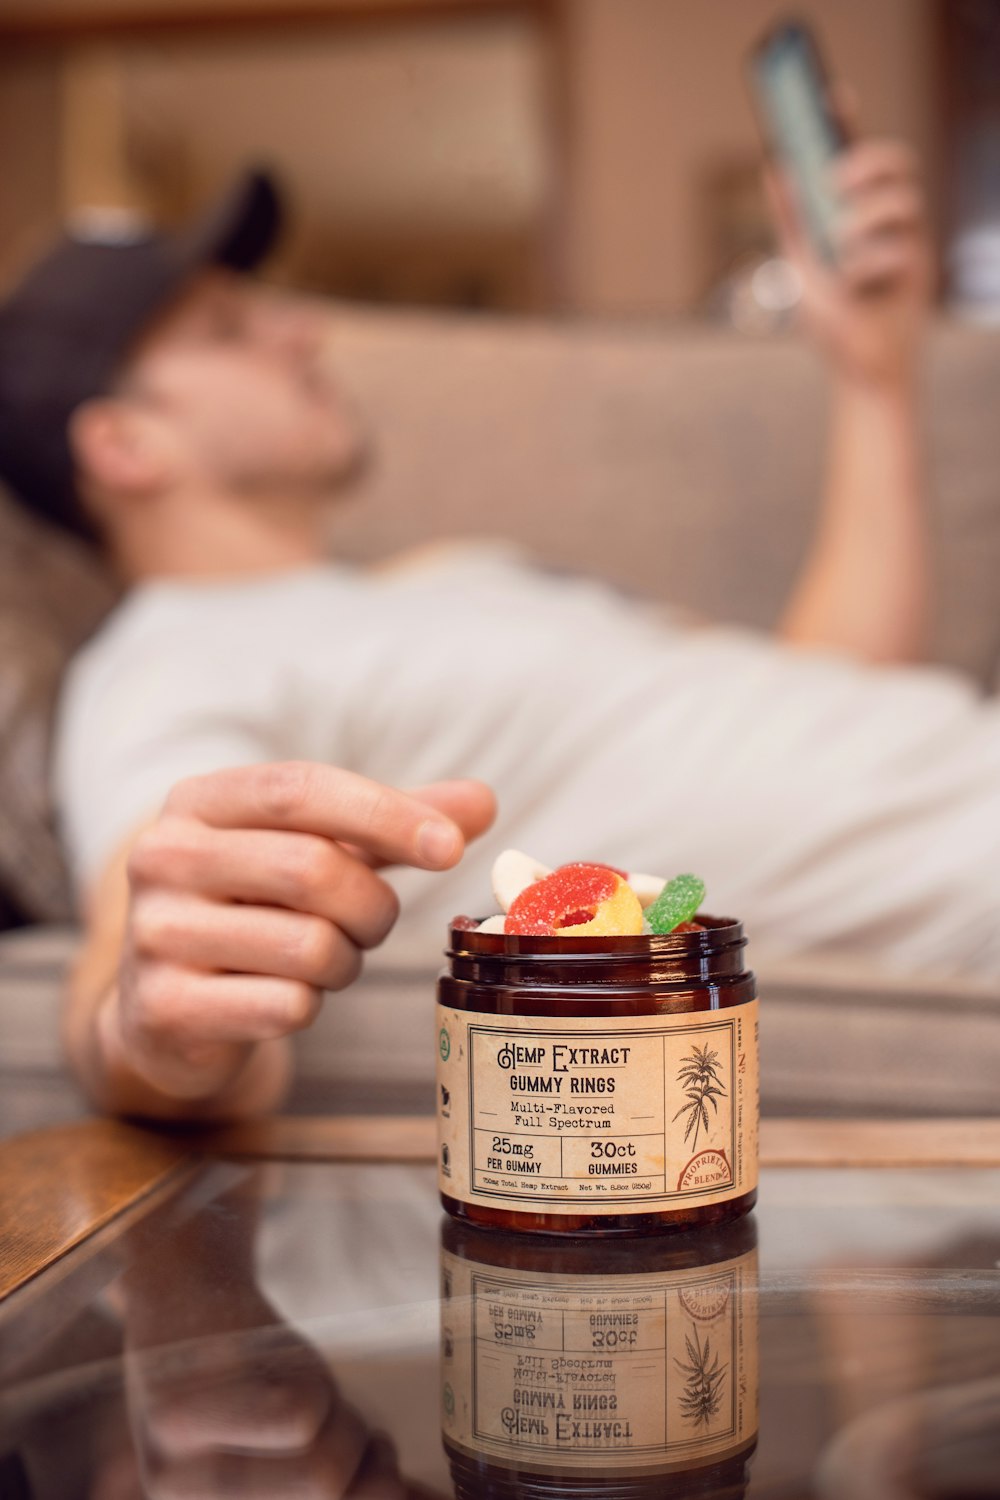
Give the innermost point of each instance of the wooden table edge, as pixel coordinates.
(59, 1187)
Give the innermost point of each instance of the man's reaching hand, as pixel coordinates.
(255, 890)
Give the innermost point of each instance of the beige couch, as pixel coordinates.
(683, 464)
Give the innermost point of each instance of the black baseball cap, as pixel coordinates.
(67, 325)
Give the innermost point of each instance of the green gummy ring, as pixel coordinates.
(677, 902)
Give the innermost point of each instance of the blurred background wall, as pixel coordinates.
(572, 155)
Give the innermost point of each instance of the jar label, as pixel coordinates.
(545, 1114)
(599, 1373)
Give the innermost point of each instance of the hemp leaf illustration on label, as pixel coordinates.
(699, 1077)
(704, 1380)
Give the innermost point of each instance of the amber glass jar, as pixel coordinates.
(614, 1368)
(598, 1085)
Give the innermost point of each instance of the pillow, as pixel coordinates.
(53, 592)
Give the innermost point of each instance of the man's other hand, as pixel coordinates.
(254, 891)
(868, 311)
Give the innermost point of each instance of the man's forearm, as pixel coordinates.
(865, 585)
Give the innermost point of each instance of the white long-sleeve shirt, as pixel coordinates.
(827, 804)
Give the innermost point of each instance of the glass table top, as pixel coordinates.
(320, 1329)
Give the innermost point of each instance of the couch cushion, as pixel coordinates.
(36, 1088)
(51, 595)
(843, 1038)
(682, 463)
(836, 1039)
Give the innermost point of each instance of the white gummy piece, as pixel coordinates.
(646, 887)
(513, 872)
(493, 924)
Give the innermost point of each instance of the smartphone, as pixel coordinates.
(791, 90)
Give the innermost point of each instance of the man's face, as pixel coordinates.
(236, 371)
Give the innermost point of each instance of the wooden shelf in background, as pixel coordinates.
(83, 20)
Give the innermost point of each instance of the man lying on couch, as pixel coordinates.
(232, 740)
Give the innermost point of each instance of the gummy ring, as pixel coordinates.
(576, 901)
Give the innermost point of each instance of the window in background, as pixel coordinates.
(586, 156)
(419, 147)
(418, 154)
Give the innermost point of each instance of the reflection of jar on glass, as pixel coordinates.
(624, 1369)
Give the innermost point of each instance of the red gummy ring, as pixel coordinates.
(566, 898)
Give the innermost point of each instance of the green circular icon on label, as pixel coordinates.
(444, 1044)
(449, 1401)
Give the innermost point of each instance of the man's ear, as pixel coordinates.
(117, 448)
